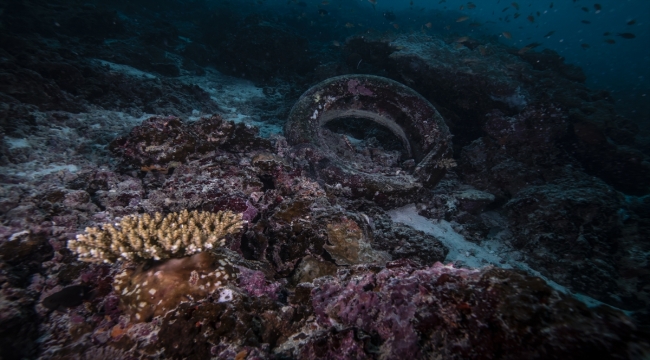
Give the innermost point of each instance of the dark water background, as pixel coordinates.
(622, 67)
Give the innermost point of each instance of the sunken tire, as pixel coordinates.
(423, 134)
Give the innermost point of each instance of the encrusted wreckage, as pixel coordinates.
(426, 149)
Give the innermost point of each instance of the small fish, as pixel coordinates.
(626, 35)
(325, 2)
(336, 43)
(461, 7)
(428, 25)
(585, 46)
(515, 5)
(585, 9)
(462, 18)
(533, 45)
(549, 33)
(442, 1)
(462, 39)
(607, 34)
(531, 18)
(349, 25)
(471, 5)
(539, 14)
(586, 22)
(396, 26)
(631, 22)
(482, 49)
(610, 41)
(523, 50)
(411, 2)
(322, 12)
(507, 35)
(516, 15)
(598, 7)
(459, 46)
(550, 7)
(475, 24)
(374, 2)
(506, 8)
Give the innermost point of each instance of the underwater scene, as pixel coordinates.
(324, 179)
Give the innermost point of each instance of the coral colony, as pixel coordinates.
(137, 238)
(323, 180)
(145, 294)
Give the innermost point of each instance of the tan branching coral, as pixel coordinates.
(138, 238)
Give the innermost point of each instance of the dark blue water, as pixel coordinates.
(586, 33)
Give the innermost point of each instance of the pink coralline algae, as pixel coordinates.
(356, 89)
(343, 345)
(256, 284)
(250, 212)
(463, 314)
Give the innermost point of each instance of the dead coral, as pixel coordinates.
(138, 238)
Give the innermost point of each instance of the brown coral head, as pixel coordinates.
(145, 294)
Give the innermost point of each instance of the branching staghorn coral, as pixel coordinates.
(138, 238)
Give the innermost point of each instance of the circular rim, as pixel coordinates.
(407, 114)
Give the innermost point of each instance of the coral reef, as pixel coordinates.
(112, 111)
(137, 238)
(572, 118)
(160, 143)
(555, 137)
(461, 313)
